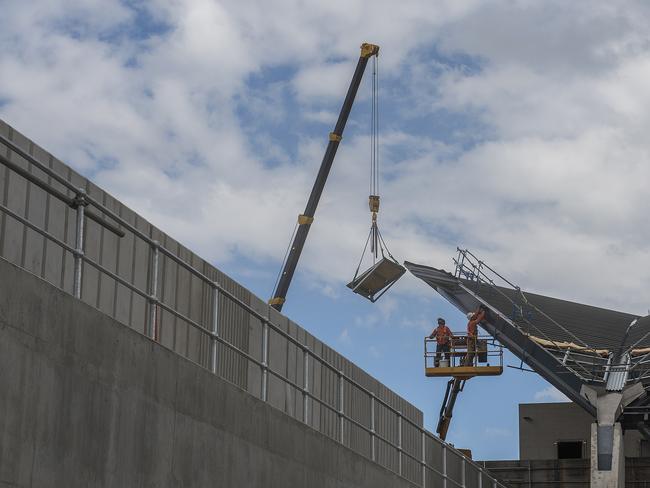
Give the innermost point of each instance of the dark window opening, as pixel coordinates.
(569, 450)
(645, 448)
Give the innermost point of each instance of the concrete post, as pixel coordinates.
(607, 456)
(614, 477)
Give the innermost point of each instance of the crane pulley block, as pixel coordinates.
(373, 203)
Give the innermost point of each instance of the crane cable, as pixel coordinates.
(373, 199)
(375, 239)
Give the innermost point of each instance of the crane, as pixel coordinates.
(307, 217)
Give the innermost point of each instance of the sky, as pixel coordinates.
(517, 129)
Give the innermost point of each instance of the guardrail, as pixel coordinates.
(486, 351)
(438, 461)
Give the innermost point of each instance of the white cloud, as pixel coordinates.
(550, 394)
(544, 176)
(324, 116)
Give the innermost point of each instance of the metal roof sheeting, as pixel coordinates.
(586, 325)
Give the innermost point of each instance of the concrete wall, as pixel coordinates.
(542, 425)
(87, 402)
(129, 258)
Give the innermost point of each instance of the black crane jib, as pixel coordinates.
(307, 217)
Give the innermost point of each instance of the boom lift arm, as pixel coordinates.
(454, 387)
(307, 217)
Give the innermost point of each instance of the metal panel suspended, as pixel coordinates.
(376, 280)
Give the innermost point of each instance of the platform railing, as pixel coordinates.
(118, 226)
(488, 352)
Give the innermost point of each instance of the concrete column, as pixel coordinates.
(601, 436)
(607, 446)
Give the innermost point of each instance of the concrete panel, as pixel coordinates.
(92, 403)
(35, 211)
(55, 224)
(454, 467)
(278, 363)
(108, 258)
(254, 384)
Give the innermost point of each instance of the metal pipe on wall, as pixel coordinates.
(424, 460)
(399, 441)
(444, 466)
(341, 411)
(265, 360)
(372, 428)
(151, 331)
(214, 341)
(80, 202)
(305, 394)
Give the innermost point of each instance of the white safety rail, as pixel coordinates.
(340, 407)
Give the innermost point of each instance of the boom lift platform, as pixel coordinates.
(460, 364)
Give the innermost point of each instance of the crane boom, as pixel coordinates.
(307, 217)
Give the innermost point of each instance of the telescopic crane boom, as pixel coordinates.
(307, 217)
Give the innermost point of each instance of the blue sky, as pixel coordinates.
(517, 129)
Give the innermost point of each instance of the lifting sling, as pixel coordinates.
(383, 273)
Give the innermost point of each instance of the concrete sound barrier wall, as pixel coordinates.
(179, 290)
(87, 402)
(136, 274)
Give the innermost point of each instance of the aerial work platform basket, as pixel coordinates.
(463, 361)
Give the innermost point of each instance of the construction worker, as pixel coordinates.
(472, 333)
(443, 338)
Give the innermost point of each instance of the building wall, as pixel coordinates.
(87, 402)
(130, 258)
(542, 425)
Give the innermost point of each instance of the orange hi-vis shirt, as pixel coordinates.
(472, 325)
(443, 334)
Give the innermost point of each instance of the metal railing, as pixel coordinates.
(587, 364)
(82, 200)
(487, 352)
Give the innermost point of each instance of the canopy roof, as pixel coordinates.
(570, 344)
